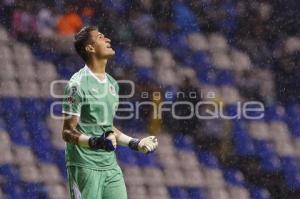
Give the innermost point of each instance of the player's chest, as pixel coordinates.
(99, 95)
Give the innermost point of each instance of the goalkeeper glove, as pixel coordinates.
(101, 142)
(145, 145)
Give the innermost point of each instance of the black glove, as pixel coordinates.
(100, 142)
(134, 143)
(145, 145)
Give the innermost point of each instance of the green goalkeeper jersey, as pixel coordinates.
(95, 102)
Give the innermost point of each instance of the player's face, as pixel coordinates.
(101, 44)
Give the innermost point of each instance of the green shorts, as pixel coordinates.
(96, 184)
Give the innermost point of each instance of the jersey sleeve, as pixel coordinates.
(72, 100)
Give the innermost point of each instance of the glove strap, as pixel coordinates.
(94, 143)
(100, 142)
(134, 143)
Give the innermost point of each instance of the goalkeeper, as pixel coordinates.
(89, 106)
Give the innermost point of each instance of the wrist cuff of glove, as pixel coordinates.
(107, 133)
(94, 143)
(134, 143)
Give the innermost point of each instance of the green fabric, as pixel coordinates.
(95, 102)
(96, 184)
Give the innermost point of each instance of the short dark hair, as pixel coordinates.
(81, 40)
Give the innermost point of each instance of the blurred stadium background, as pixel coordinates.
(239, 49)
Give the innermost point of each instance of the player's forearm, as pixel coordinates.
(73, 136)
(145, 145)
(122, 139)
(106, 141)
(83, 140)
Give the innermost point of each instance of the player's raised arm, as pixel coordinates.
(145, 145)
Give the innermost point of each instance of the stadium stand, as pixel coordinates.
(202, 47)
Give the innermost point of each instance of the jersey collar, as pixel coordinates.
(94, 76)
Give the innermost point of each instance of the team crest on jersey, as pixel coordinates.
(71, 100)
(112, 89)
(73, 90)
(72, 93)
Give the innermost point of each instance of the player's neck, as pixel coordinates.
(97, 67)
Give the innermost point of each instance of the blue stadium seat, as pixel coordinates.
(182, 142)
(59, 158)
(199, 61)
(232, 110)
(229, 22)
(123, 57)
(145, 74)
(117, 6)
(20, 136)
(207, 75)
(259, 193)
(42, 107)
(34, 107)
(10, 172)
(41, 126)
(146, 160)
(294, 126)
(17, 131)
(293, 110)
(11, 179)
(178, 46)
(224, 77)
(195, 193)
(293, 119)
(2, 124)
(184, 17)
(12, 118)
(12, 191)
(10, 105)
(32, 124)
(263, 147)
(42, 54)
(163, 39)
(269, 160)
(292, 179)
(33, 191)
(234, 177)
(272, 114)
(40, 144)
(126, 156)
(291, 170)
(135, 125)
(177, 192)
(44, 153)
(56, 109)
(270, 163)
(43, 150)
(290, 164)
(243, 144)
(208, 159)
(65, 71)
